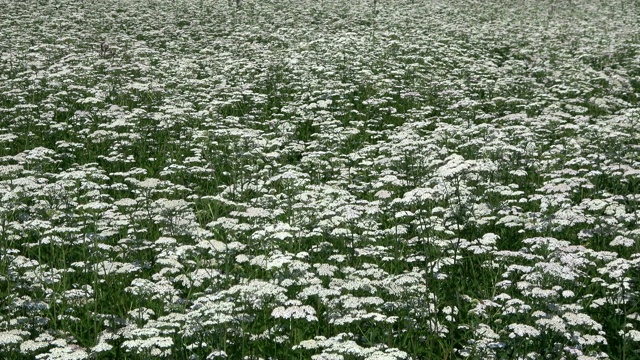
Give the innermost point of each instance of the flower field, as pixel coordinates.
(326, 180)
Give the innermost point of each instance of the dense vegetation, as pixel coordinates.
(319, 179)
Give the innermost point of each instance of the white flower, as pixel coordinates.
(216, 354)
(157, 345)
(622, 241)
(295, 312)
(554, 323)
(383, 194)
(454, 167)
(101, 346)
(540, 293)
(325, 269)
(327, 356)
(522, 330)
(580, 319)
(242, 258)
(617, 268)
(141, 313)
(307, 345)
(31, 346)
(12, 337)
(67, 352)
(633, 335)
(515, 306)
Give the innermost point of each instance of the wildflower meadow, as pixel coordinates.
(325, 180)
